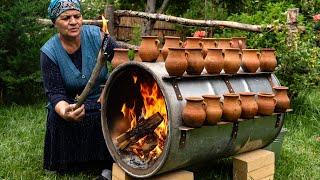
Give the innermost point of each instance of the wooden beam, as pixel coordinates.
(48, 22)
(191, 22)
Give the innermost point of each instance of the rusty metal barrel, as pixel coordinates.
(188, 146)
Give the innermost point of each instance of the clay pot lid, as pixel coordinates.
(250, 49)
(223, 38)
(231, 95)
(209, 38)
(265, 94)
(171, 37)
(231, 49)
(281, 87)
(268, 49)
(239, 37)
(194, 98)
(193, 38)
(149, 36)
(211, 96)
(247, 93)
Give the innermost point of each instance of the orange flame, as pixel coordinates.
(153, 102)
(105, 25)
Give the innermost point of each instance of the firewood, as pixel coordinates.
(142, 129)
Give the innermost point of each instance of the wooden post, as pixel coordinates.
(292, 25)
(109, 14)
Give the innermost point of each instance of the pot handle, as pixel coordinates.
(240, 42)
(275, 101)
(239, 102)
(215, 44)
(157, 42)
(180, 43)
(231, 43)
(259, 55)
(204, 105)
(201, 44)
(187, 54)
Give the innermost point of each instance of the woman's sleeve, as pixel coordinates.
(52, 80)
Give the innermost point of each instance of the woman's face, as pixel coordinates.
(69, 23)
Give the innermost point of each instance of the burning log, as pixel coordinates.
(143, 128)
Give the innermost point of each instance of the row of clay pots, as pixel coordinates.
(149, 47)
(230, 60)
(234, 106)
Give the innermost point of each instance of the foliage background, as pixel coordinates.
(21, 38)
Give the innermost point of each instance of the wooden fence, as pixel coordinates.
(123, 31)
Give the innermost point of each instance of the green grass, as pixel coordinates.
(22, 132)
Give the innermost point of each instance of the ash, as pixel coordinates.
(135, 162)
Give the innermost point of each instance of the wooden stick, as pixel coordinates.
(95, 73)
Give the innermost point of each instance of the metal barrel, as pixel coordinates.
(187, 146)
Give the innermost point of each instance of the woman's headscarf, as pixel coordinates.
(57, 7)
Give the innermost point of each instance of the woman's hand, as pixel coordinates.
(68, 112)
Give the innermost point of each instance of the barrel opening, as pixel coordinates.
(137, 119)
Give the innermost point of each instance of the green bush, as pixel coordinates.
(298, 57)
(20, 40)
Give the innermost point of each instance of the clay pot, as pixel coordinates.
(266, 103)
(223, 43)
(195, 61)
(136, 56)
(206, 44)
(250, 60)
(213, 109)
(160, 57)
(231, 110)
(214, 61)
(149, 48)
(232, 60)
(120, 57)
(249, 106)
(194, 114)
(193, 42)
(170, 42)
(283, 101)
(176, 63)
(239, 42)
(268, 61)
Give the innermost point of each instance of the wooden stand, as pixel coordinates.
(119, 174)
(254, 165)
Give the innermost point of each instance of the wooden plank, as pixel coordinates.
(253, 160)
(265, 172)
(119, 174)
(271, 177)
(262, 172)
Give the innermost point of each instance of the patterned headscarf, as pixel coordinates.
(57, 7)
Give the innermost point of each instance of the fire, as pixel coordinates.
(153, 102)
(104, 25)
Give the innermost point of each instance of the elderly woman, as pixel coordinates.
(74, 139)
